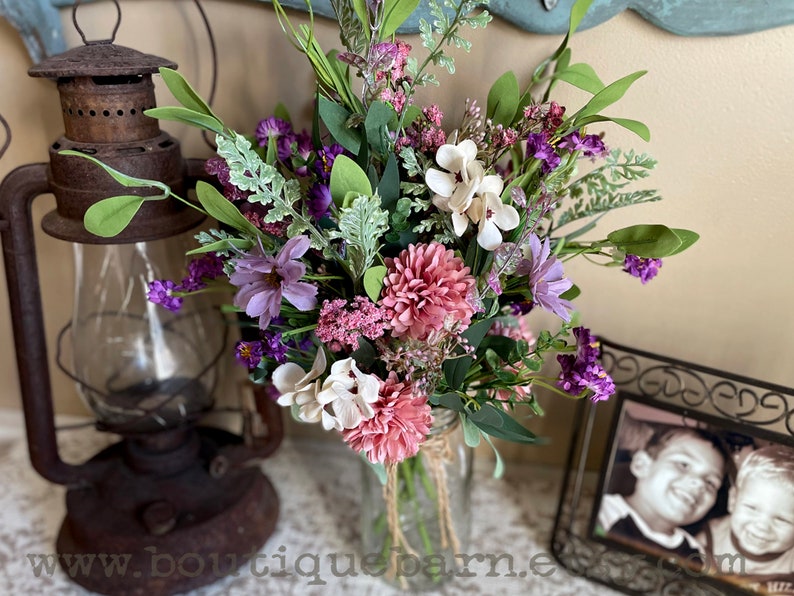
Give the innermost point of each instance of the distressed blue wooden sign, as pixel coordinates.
(39, 24)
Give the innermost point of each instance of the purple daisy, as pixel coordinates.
(263, 280)
(547, 281)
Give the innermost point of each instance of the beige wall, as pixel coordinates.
(720, 111)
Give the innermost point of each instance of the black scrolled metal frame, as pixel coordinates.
(752, 406)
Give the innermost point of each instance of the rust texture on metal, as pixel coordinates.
(104, 91)
(175, 492)
(182, 529)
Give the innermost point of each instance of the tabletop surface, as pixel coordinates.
(318, 485)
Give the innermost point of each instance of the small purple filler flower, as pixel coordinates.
(248, 353)
(582, 371)
(160, 293)
(589, 145)
(546, 278)
(538, 146)
(264, 280)
(645, 268)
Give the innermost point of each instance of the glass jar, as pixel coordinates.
(415, 523)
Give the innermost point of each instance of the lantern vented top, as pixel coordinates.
(101, 59)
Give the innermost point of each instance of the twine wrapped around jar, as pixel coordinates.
(421, 516)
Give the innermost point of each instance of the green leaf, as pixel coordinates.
(646, 240)
(411, 113)
(608, 95)
(471, 434)
(638, 128)
(362, 12)
(500, 344)
(449, 400)
(281, 111)
(509, 429)
(223, 244)
(222, 209)
(373, 281)
(571, 293)
(109, 217)
(687, 237)
(487, 414)
(187, 116)
(379, 469)
(347, 176)
(578, 11)
(362, 223)
(503, 99)
(389, 185)
(365, 355)
(184, 93)
(335, 118)
(378, 116)
(455, 369)
(395, 13)
(581, 75)
(121, 178)
(499, 465)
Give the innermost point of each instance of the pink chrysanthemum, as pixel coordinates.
(426, 287)
(400, 424)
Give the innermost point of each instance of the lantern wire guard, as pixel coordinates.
(168, 486)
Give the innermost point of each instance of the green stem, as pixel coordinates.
(556, 390)
(298, 331)
(408, 476)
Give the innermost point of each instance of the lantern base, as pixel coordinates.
(142, 532)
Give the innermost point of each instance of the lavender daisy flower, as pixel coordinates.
(160, 293)
(582, 372)
(264, 280)
(644, 268)
(547, 280)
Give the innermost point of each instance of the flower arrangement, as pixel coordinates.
(386, 261)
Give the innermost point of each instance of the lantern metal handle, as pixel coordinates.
(17, 192)
(80, 31)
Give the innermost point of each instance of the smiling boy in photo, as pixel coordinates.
(756, 539)
(678, 474)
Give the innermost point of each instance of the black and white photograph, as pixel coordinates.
(700, 493)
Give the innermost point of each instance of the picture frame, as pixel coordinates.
(629, 518)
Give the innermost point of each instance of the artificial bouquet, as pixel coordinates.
(386, 260)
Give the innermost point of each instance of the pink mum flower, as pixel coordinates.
(426, 288)
(400, 424)
(264, 280)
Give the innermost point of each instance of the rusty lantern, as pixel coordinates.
(169, 487)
